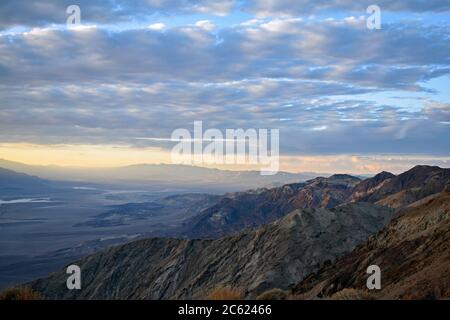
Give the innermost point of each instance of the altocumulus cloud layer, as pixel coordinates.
(331, 85)
(44, 12)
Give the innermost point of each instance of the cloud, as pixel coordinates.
(157, 26)
(438, 111)
(364, 164)
(206, 25)
(96, 85)
(264, 8)
(398, 57)
(43, 13)
(124, 114)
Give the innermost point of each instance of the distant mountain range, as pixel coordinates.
(277, 238)
(175, 175)
(13, 183)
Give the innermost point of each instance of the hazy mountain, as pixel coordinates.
(181, 175)
(275, 255)
(413, 252)
(13, 183)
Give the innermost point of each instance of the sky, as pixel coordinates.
(111, 91)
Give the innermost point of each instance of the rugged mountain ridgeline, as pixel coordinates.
(413, 252)
(399, 191)
(273, 239)
(237, 211)
(274, 255)
(251, 209)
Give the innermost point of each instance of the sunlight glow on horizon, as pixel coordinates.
(107, 156)
(81, 155)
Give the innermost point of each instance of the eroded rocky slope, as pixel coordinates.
(278, 254)
(413, 252)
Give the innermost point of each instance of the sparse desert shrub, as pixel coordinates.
(352, 294)
(225, 293)
(273, 294)
(20, 293)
